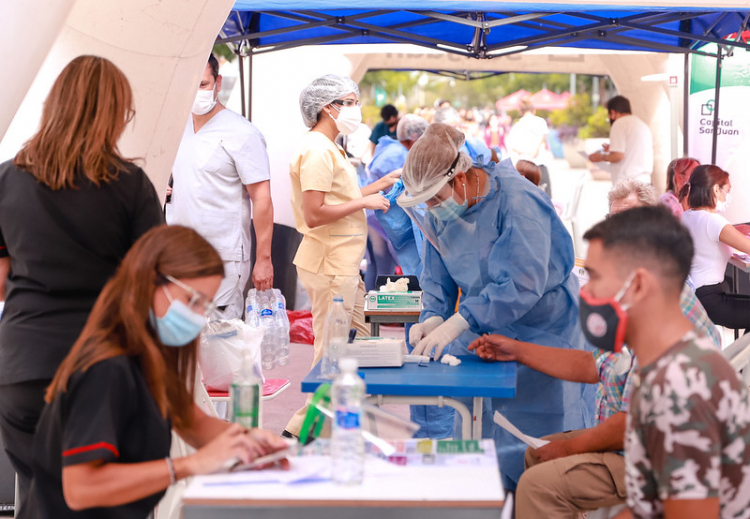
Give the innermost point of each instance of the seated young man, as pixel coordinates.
(687, 442)
(586, 469)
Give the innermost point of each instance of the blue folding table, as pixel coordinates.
(436, 384)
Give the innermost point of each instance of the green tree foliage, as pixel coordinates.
(576, 114)
(223, 51)
(461, 93)
(597, 125)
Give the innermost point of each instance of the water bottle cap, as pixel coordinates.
(348, 365)
(338, 299)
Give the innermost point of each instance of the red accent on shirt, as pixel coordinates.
(92, 447)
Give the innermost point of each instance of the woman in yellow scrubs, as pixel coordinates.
(329, 209)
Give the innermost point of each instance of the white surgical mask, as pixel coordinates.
(204, 101)
(722, 206)
(350, 117)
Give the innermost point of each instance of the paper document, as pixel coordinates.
(512, 429)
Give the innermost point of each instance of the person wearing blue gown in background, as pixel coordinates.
(497, 238)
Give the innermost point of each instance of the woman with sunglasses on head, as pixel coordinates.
(70, 208)
(708, 194)
(678, 172)
(102, 445)
(329, 208)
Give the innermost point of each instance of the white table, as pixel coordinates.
(430, 492)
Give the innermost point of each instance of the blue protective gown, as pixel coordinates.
(512, 258)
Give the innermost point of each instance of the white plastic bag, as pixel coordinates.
(222, 346)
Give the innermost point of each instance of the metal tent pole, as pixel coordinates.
(717, 93)
(686, 108)
(250, 85)
(242, 83)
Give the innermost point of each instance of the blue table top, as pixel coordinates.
(472, 378)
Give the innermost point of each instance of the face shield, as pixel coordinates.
(436, 192)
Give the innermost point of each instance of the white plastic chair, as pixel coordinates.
(570, 214)
(738, 355)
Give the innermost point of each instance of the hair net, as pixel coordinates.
(428, 164)
(411, 127)
(448, 115)
(321, 92)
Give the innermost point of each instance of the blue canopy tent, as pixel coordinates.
(483, 29)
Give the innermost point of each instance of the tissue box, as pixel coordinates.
(376, 352)
(397, 301)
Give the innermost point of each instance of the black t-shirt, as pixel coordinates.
(64, 245)
(106, 414)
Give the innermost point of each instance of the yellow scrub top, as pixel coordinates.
(336, 248)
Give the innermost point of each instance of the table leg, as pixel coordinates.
(375, 329)
(477, 418)
(466, 417)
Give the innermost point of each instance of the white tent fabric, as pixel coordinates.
(161, 46)
(21, 65)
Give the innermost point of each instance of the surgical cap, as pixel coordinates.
(428, 164)
(411, 127)
(448, 115)
(321, 92)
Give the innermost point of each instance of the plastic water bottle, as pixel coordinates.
(282, 327)
(347, 443)
(245, 394)
(335, 335)
(268, 346)
(252, 317)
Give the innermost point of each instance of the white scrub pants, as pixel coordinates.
(321, 288)
(231, 293)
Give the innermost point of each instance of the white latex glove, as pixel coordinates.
(422, 330)
(441, 336)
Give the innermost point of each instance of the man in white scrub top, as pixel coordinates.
(631, 147)
(221, 166)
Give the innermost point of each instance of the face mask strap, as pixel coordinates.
(624, 289)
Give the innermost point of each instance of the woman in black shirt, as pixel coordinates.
(103, 440)
(70, 208)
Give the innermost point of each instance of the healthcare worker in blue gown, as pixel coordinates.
(406, 238)
(495, 236)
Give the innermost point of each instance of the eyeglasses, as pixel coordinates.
(199, 303)
(346, 102)
(726, 191)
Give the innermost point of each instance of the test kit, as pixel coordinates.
(376, 352)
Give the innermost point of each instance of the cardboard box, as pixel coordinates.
(376, 352)
(396, 301)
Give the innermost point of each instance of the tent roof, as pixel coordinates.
(482, 29)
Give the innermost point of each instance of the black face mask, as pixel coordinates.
(611, 121)
(604, 321)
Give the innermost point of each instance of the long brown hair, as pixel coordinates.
(84, 115)
(119, 323)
